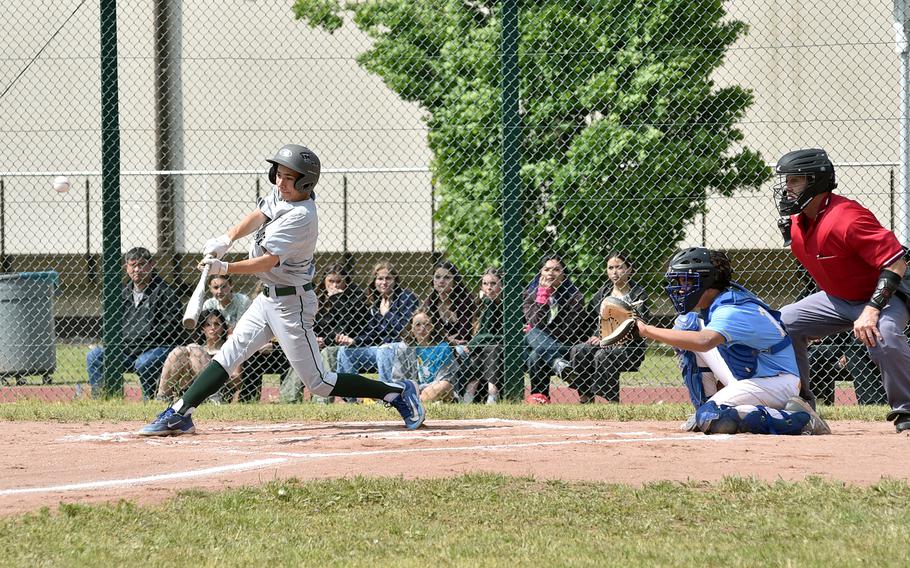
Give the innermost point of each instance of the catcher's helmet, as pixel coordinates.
(300, 159)
(818, 170)
(690, 273)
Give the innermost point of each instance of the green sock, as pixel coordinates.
(351, 385)
(206, 384)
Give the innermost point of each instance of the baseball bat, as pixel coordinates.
(194, 306)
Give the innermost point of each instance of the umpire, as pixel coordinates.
(859, 267)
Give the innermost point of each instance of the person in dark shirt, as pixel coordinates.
(152, 314)
(554, 313)
(485, 347)
(594, 370)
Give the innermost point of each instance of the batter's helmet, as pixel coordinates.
(690, 273)
(300, 159)
(812, 163)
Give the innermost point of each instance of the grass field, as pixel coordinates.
(659, 369)
(469, 520)
(479, 520)
(88, 410)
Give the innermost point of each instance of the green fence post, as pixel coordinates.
(511, 207)
(111, 304)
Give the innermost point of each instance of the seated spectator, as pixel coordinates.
(426, 357)
(152, 325)
(451, 304)
(485, 347)
(231, 304)
(184, 363)
(554, 311)
(390, 310)
(594, 370)
(342, 315)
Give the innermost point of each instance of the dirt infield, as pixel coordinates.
(43, 464)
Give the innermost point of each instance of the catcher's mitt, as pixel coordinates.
(617, 322)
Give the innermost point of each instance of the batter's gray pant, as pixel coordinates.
(821, 315)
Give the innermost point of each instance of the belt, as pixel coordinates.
(286, 290)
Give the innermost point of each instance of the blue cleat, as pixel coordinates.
(169, 423)
(409, 406)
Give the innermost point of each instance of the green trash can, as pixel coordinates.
(27, 336)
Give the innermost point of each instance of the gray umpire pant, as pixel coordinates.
(821, 315)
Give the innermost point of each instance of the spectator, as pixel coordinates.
(390, 309)
(594, 370)
(231, 304)
(426, 356)
(554, 311)
(451, 304)
(342, 315)
(485, 348)
(184, 363)
(152, 315)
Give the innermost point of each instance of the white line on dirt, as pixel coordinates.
(287, 456)
(113, 483)
(491, 448)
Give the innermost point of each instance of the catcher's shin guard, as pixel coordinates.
(717, 419)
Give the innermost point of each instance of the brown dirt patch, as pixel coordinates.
(43, 464)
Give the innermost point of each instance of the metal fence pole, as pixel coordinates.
(4, 262)
(90, 265)
(112, 306)
(513, 371)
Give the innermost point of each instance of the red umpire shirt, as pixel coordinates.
(844, 248)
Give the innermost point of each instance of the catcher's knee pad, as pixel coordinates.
(765, 420)
(712, 418)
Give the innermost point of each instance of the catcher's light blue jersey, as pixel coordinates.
(751, 325)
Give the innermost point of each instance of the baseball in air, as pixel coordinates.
(61, 184)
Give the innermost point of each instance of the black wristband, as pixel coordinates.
(887, 284)
(785, 224)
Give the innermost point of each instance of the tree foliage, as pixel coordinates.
(625, 133)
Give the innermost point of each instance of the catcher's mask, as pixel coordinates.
(813, 165)
(300, 159)
(690, 273)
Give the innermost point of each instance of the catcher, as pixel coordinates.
(593, 369)
(754, 358)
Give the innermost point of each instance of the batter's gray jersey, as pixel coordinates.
(289, 233)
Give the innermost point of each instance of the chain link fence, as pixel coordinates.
(644, 127)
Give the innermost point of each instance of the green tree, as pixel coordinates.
(625, 133)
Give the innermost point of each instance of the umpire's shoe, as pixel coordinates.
(169, 423)
(901, 421)
(816, 426)
(409, 406)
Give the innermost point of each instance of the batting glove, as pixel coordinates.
(217, 246)
(216, 267)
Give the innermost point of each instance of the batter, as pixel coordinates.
(281, 254)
